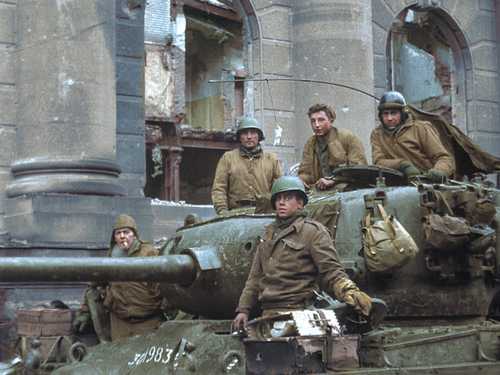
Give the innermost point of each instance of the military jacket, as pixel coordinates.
(344, 148)
(415, 141)
(239, 178)
(135, 299)
(287, 266)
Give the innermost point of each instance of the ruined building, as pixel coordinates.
(441, 54)
(106, 104)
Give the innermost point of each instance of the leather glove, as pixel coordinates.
(346, 290)
(82, 321)
(408, 169)
(361, 301)
(435, 175)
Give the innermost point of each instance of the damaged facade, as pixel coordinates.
(105, 104)
(438, 55)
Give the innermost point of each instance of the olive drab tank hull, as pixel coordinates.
(438, 303)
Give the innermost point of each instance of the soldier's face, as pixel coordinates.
(287, 203)
(320, 123)
(249, 138)
(124, 237)
(391, 117)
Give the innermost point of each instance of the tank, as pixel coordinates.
(441, 306)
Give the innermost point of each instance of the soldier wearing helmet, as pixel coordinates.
(134, 307)
(296, 256)
(327, 149)
(406, 144)
(245, 175)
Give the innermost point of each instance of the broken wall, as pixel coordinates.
(472, 25)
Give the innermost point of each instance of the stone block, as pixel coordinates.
(129, 77)
(396, 5)
(273, 122)
(261, 4)
(7, 23)
(488, 5)
(380, 71)
(7, 105)
(276, 57)
(485, 56)
(129, 40)
(486, 86)
(8, 145)
(130, 115)
(7, 63)
(379, 39)
(479, 27)
(130, 153)
(275, 24)
(487, 115)
(62, 220)
(132, 15)
(133, 183)
(277, 95)
(382, 15)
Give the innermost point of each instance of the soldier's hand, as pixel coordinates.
(82, 320)
(361, 301)
(324, 183)
(436, 176)
(409, 170)
(239, 322)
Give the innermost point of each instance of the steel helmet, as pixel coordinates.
(288, 183)
(249, 123)
(393, 100)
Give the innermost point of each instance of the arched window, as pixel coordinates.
(427, 62)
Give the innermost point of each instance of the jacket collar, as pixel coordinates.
(135, 247)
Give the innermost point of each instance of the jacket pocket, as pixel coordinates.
(293, 245)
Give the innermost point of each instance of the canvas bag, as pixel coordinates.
(445, 232)
(386, 243)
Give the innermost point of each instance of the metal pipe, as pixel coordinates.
(179, 269)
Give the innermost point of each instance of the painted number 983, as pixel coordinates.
(156, 354)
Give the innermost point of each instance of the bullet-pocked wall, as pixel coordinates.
(468, 29)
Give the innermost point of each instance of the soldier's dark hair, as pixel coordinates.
(322, 107)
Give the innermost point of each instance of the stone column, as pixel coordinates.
(171, 182)
(333, 42)
(66, 99)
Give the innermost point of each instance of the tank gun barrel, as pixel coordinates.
(179, 269)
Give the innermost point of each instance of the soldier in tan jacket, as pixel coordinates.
(327, 149)
(408, 145)
(297, 256)
(246, 174)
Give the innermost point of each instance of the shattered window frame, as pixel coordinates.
(426, 63)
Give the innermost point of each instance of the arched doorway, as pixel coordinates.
(428, 60)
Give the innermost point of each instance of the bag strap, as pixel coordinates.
(387, 221)
(443, 199)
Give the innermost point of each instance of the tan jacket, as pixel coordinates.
(239, 178)
(417, 142)
(343, 147)
(285, 269)
(135, 299)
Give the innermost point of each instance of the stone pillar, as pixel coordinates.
(333, 42)
(65, 192)
(171, 182)
(66, 99)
